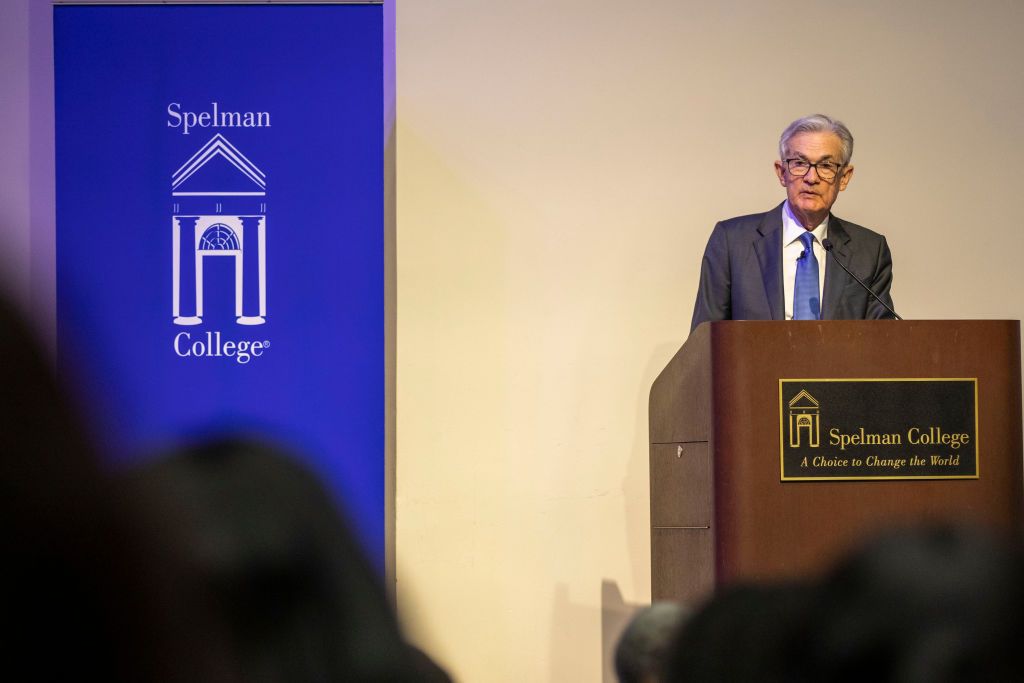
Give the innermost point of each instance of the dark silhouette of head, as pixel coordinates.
(914, 606)
(82, 597)
(940, 604)
(738, 636)
(640, 653)
(268, 549)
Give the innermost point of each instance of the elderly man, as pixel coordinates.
(774, 265)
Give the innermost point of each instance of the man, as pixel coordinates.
(773, 266)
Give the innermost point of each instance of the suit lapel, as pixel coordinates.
(768, 248)
(835, 278)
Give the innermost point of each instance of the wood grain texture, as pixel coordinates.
(763, 528)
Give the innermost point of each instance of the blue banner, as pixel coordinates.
(220, 229)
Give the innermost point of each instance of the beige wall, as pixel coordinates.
(560, 165)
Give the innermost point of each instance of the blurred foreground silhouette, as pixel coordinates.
(931, 605)
(275, 563)
(224, 562)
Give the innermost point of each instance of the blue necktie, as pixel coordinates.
(806, 300)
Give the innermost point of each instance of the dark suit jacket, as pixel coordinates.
(741, 274)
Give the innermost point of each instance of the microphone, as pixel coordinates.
(827, 243)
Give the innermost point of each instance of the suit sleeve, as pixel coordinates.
(714, 293)
(880, 284)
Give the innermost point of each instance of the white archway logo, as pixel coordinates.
(219, 211)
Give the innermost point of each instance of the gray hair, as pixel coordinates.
(819, 123)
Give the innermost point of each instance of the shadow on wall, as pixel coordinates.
(566, 661)
(636, 487)
(616, 614)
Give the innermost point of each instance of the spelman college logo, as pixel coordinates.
(804, 420)
(219, 212)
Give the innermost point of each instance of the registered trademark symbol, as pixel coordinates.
(266, 344)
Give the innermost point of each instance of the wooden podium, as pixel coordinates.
(720, 511)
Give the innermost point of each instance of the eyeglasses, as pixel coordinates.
(827, 170)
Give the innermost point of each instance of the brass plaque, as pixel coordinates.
(833, 429)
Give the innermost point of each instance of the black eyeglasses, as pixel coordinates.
(827, 170)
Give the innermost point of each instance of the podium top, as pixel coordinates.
(726, 356)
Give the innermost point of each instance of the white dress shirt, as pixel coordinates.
(792, 247)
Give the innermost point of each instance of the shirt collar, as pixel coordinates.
(791, 228)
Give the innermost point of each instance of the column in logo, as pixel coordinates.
(186, 311)
(254, 306)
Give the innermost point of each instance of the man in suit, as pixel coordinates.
(773, 265)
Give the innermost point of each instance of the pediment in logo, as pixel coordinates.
(803, 400)
(218, 168)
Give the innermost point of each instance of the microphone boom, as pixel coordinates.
(827, 244)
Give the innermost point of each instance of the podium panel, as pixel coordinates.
(720, 509)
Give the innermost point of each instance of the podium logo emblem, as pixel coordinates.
(219, 212)
(804, 420)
